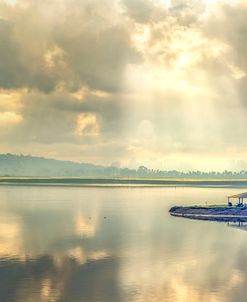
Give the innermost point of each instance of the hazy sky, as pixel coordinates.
(160, 83)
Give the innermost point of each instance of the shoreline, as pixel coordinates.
(212, 213)
(122, 182)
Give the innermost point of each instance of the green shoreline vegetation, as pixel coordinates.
(77, 181)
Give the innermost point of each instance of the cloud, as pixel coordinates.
(230, 27)
(9, 118)
(132, 80)
(82, 47)
(98, 59)
(17, 70)
(87, 124)
(143, 11)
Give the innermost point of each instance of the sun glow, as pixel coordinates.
(10, 118)
(11, 2)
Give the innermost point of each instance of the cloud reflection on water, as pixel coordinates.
(138, 253)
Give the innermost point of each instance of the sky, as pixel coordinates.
(160, 83)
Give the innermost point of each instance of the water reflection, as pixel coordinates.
(241, 225)
(234, 222)
(72, 244)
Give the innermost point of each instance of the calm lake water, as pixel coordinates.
(116, 245)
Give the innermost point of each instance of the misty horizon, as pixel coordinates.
(26, 165)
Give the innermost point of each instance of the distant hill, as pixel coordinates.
(21, 165)
(26, 165)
